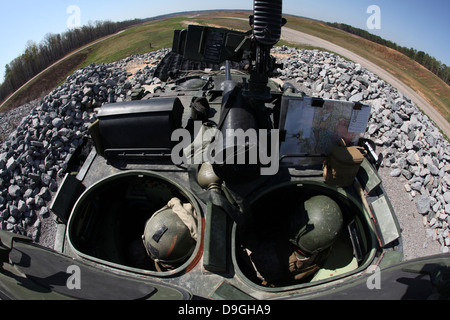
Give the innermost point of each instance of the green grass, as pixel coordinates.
(133, 41)
(424, 82)
(136, 40)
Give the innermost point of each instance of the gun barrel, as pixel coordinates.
(228, 70)
(267, 23)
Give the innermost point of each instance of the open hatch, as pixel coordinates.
(261, 245)
(108, 220)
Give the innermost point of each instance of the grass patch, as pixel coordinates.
(159, 34)
(144, 38)
(135, 40)
(424, 82)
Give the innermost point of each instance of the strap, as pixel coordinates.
(301, 266)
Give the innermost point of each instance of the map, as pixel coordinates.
(313, 128)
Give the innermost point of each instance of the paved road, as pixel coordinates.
(294, 36)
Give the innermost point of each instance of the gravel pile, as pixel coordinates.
(44, 134)
(412, 146)
(10, 120)
(34, 157)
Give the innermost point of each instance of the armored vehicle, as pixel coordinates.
(223, 184)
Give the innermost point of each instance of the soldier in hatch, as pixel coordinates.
(279, 260)
(170, 235)
(169, 238)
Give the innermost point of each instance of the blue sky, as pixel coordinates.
(423, 25)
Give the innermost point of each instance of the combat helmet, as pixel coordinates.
(317, 224)
(170, 235)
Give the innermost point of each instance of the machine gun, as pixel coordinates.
(217, 45)
(243, 103)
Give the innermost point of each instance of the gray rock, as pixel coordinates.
(447, 196)
(37, 144)
(396, 172)
(57, 122)
(44, 193)
(411, 158)
(405, 127)
(44, 212)
(11, 164)
(423, 204)
(372, 129)
(447, 208)
(3, 159)
(21, 206)
(14, 213)
(14, 191)
(407, 174)
(39, 202)
(357, 97)
(417, 186)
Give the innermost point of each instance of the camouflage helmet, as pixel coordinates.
(317, 224)
(170, 234)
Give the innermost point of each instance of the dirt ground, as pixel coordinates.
(44, 84)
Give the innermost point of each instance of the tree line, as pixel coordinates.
(37, 57)
(435, 66)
